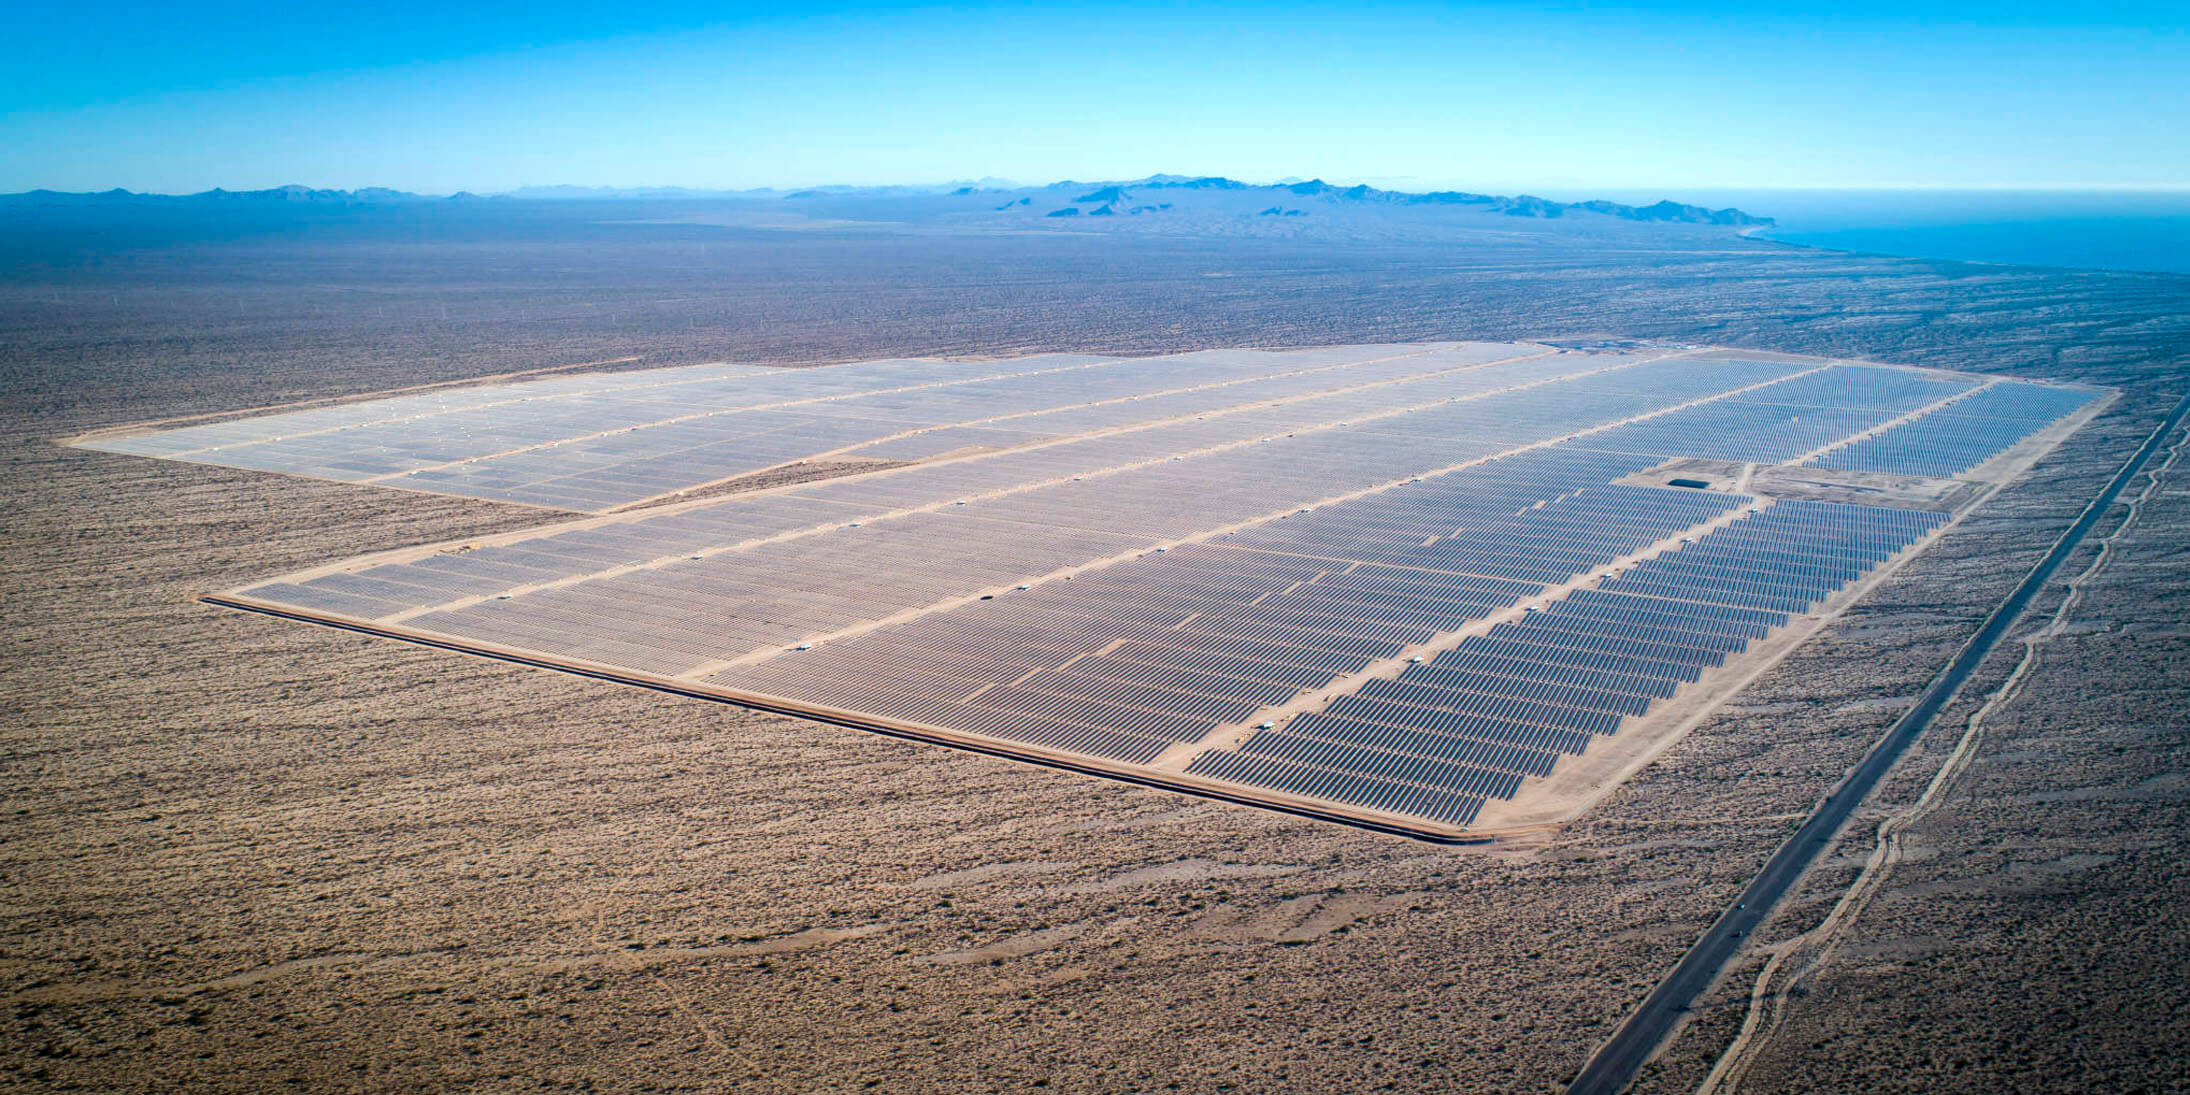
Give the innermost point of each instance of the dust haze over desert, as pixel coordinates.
(873, 548)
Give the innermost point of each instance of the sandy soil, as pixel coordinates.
(241, 854)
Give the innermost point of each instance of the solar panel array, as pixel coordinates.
(1386, 583)
(596, 444)
(1782, 421)
(1963, 434)
(1279, 609)
(1443, 736)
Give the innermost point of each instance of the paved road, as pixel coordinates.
(1616, 1063)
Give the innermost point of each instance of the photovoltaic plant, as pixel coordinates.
(1390, 585)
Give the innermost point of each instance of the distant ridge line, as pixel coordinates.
(1106, 197)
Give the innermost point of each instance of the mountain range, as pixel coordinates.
(1156, 194)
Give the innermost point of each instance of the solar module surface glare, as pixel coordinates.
(1416, 587)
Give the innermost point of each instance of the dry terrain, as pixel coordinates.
(2006, 915)
(242, 854)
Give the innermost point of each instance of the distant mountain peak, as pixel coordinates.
(1111, 193)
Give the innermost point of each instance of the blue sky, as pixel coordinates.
(487, 97)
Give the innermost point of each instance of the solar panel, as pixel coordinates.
(1406, 586)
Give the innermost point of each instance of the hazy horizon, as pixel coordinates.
(2128, 230)
(1697, 193)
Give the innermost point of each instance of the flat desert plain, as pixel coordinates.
(244, 854)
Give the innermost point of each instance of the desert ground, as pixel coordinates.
(242, 854)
